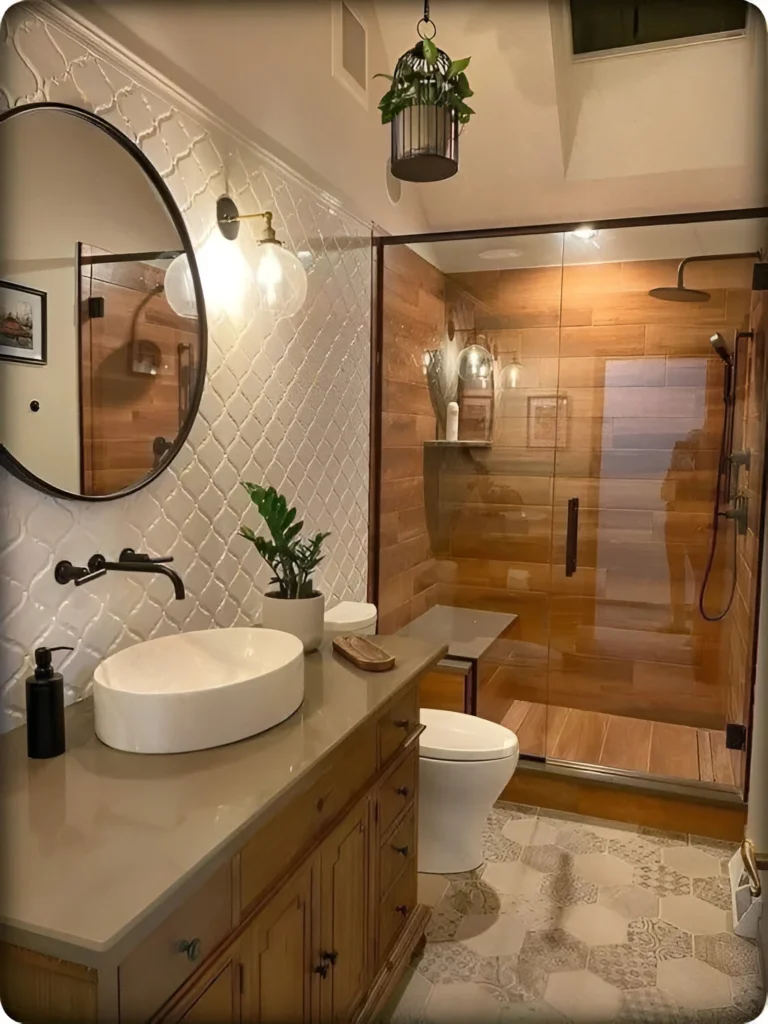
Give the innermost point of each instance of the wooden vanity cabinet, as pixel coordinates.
(312, 921)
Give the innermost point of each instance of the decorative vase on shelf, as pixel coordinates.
(295, 607)
(303, 617)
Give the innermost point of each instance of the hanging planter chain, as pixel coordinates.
(426, 104)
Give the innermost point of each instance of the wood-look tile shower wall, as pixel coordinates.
(414, 321)
(637, 442)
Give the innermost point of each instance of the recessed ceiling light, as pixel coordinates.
(587, 234)
(500, 254)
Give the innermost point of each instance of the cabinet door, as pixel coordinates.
(214, 998)
(345, 888)
(277, 953)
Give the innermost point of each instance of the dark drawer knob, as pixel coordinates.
(322, 970)
(330, 958)
(403, 791)
(403, 850)
(402, 910)
(191, 947)
(402, 723)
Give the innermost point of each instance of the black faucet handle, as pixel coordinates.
(65, 572)
(129, 555)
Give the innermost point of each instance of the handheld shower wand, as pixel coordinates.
(724, 465)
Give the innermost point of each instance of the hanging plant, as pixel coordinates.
(425, 104)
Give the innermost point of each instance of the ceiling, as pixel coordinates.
(514, 252)
(665, 130)
(556, 139)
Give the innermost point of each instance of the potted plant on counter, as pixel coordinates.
(295, 607)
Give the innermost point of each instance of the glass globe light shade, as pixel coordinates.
(476, 363)
(281, 280)
(180, 289)
(510, 374)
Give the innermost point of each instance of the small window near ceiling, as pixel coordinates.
(350, 50)
(617, 24)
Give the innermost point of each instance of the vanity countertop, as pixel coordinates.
(100, 845)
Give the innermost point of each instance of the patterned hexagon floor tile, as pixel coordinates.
(662, 880)
(716, 891)
(727, 953)
(582, 996)
(635, 850)
(693, 915)
(664, 940)
(630, 901)
(579, 840)
(544, 953)
(595, 925)
(690, 861)
(623, 966)
(548, 859)
(447, 962)
(650, 1006)
(566, 890)
(693, 984)
(603, 869)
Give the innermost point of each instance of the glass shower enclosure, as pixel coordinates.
(589, 541)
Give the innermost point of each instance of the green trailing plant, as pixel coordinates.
(291, 559)
(412, 86)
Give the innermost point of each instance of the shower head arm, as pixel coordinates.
(711, 259)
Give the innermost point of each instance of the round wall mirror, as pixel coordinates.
(100, 374)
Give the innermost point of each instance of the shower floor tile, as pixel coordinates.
(614, 741)
(502, 949)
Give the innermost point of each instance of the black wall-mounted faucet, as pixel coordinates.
(129, 561)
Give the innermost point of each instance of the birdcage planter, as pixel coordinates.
(426, 106)
(425, 143)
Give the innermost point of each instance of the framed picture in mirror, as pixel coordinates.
(23, 324)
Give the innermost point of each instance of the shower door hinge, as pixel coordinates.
(735, 736)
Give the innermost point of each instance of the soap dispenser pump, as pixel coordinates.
(45, 707)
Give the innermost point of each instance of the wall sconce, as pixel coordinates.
(279, 276)
(281, 280)
(476, 364)
(510, 375)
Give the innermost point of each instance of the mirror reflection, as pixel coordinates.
(98, 374)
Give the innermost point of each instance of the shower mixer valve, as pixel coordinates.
(743, 458)
(738, 513)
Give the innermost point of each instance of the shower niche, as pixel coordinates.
(617, 512)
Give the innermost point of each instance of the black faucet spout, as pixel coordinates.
(99, 562)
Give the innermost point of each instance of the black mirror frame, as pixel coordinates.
(7, 461)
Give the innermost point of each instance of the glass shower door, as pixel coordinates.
(637, 675)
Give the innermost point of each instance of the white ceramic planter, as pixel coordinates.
(303, 618)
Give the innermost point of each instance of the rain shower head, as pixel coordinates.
(717, 341)
(679, 294)
(682, 294)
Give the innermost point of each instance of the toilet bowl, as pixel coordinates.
(464, 764)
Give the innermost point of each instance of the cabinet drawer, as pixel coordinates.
(396, 851)
(395, 909)
(398, 723)
(281, 841)
(398, 790)
(153, 971)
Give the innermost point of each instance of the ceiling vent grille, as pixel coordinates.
(350, 50)
(600, 25)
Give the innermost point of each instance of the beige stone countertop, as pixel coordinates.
(99, 846)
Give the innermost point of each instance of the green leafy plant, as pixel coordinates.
(412, 86)
(291, 559)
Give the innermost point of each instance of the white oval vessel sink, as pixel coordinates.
(193, 691)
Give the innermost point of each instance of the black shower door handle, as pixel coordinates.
(572, 537)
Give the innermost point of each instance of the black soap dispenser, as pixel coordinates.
(45, 707)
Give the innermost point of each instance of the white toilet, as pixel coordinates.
(464, 764)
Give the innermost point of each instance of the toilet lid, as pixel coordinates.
(450, 736)
(351, 615)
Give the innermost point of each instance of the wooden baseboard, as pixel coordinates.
(615, 802)
(397, 961)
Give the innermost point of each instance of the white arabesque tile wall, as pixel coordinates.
(285, 402)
